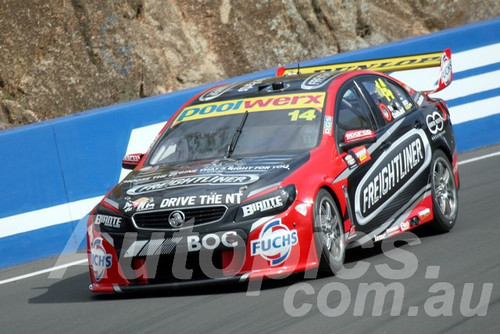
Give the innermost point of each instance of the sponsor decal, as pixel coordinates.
(446, 70)
(405, 226)
(190, 243)
(302, 209)
(360, 154)
(132, 157)
(407, 104)
(145, 179)
(178, 202)
(381, 65)
(212, 241)
(352, 233)
(420, 99)
(355, 135)
(424, 214)
(231, 107)
(262, 206)
(380, 237)
(108, 221)
(396, 110)
(438, 135)
(328, 125)
(250, 85)
(242, 168)
(385, 112)
(215, 92)
(196, 200)
(350, 161)
(140, 204)
(186, 181)
(275, 242)
(143, 204)
(182, 172)
(317, 80)
(100, 260)
(392, 229)
(391, 173)
(435, 122)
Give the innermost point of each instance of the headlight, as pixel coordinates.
(269, 204)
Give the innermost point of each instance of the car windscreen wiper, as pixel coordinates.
(236, 135)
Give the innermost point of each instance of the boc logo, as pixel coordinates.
(435, 122)
(100, 260)
(275, 242)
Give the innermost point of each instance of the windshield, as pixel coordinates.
(263, 132)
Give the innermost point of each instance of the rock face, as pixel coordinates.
(62, 56)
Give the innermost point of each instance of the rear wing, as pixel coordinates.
(411, 62)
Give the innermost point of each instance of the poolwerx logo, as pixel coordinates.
(230, 107)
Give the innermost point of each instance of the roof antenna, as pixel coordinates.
(298, 68)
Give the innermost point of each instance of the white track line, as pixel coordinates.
(75, 263)
(478, 158)
(40, 272)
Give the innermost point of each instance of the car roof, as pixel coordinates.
(290, 84)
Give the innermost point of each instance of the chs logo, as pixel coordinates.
(100, 260)
(275, 242)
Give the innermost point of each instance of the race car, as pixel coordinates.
(279, 175)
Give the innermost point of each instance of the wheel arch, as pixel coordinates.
(336, 200)
(446, 150)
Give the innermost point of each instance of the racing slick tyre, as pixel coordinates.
(328, 233)
(444, 193)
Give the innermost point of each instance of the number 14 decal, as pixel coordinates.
(307, 115)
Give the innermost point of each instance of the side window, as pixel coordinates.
(391, 100)
(402, 96)
(352, 113)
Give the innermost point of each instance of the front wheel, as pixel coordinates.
(444, 193)
(328, 233)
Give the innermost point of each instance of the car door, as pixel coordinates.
(382, 189)
(353, 116)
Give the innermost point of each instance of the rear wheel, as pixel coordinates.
(328, 233)
(444, 193)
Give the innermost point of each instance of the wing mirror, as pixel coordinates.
(353, 138)
(130, 161)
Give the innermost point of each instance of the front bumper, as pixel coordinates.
(267, 247)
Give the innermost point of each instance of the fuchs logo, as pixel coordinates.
(317, 80)
(275, 242)
(100, 260)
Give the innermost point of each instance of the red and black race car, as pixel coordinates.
(279, 175)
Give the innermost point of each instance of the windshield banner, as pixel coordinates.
(230, 107)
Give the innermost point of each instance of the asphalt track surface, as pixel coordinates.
(470, 253)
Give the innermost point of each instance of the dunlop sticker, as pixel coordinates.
(381, 65)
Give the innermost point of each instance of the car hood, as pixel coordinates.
(208, 183)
